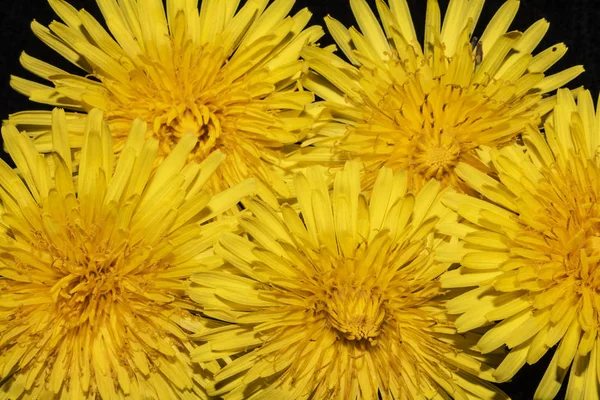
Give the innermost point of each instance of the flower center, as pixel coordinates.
(434, 160)
(200, 121)
(86, 289)
(356, 313)
(184, 93)
(583, 255)
(440, 157)
(91, 275)
(570, 221)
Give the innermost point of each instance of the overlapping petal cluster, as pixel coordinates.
(94, 271)
(227, 76)
(427, 108)
(338, 301)
(532, 246)
(456, 214)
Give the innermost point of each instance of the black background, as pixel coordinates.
(572, 22)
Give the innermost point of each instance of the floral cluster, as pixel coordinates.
(219, 207)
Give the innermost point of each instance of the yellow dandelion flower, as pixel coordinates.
(535, 254)
(338, 302)
(425, 109)
(229, 78)
(93, 273)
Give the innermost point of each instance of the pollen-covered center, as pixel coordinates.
(448, 126)
(434, 160)
(569, 220)
(580, 236)
(356, 312)
(87, 287)
(90, 276)
(426, 122)
(184, 92)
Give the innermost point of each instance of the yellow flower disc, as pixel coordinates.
(340, 301)
(532, 259)
(227, 76)
(93, 271)
(428, 108)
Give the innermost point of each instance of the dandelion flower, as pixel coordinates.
(425, 109)
(93, 273)
(227, 77)
(535, 254)
(338, 302)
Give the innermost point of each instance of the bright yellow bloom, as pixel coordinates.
(535, 256)
(425, 109)
(93, 271)
(229, 78)
(339, 301)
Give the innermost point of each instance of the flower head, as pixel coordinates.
(535, 254)
(93, 273)
(339, 301)
(427, 108)
(227, 77)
